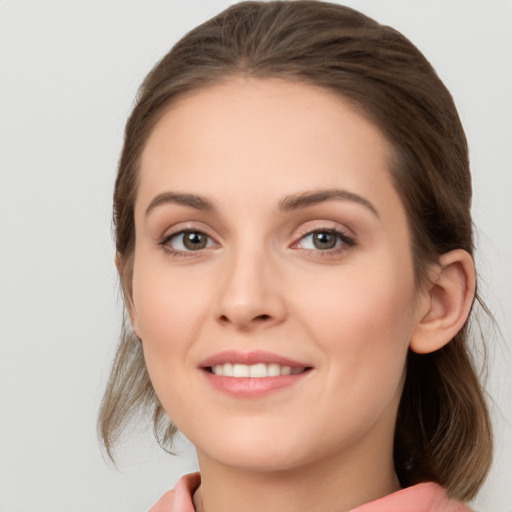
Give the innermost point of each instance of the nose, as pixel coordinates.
(251, 292)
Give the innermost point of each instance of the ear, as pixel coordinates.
(446, 302)
(128, 301)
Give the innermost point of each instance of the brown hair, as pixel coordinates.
(443, 430)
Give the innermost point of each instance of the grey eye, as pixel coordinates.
(324, 240)
(321, 240)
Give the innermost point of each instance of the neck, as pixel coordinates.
(336, 485)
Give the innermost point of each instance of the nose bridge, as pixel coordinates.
(250, 294)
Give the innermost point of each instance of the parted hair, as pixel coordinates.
(443, 432)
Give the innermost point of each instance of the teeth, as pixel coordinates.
(286, 370)
(273, 370)
(240, 370)
(256, 371)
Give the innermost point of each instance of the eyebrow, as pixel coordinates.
(303, 200)
(191, 200)
(289, 203)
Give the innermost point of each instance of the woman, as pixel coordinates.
(294, 244)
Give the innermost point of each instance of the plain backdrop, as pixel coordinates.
(69, 70)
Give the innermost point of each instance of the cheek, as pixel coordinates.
(163, 300)
(168, 312)
(365, 322)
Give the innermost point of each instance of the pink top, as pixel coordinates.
(427, 497)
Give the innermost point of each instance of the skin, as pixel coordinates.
(260, 283)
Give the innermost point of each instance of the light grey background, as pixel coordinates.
(69, 70)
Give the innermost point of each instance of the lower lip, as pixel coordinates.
(247, 387)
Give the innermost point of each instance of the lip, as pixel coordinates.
(249, 387)
(254, 357)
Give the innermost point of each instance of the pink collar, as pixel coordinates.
(425, 497)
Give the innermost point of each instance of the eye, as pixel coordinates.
(324, 240)
(188, 240)
(321, 240)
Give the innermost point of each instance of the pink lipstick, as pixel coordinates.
(252, 374)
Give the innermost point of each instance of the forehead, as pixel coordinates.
(278, 136)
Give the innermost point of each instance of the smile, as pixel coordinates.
(252, 374)
(256, 371)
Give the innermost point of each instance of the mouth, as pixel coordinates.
(255, 371)
(252, 375)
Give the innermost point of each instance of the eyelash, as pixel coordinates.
(178, 252)
(347, 242)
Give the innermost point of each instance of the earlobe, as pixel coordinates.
(446, 302)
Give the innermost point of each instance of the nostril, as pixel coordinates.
(243, 320)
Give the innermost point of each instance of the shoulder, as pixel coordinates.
(425, 497)
(180, 498)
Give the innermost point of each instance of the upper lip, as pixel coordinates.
(250, 358)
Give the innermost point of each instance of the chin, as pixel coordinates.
(267, 451)
(254, 451)
(264, 461)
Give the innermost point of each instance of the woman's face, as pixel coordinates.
(273, 283)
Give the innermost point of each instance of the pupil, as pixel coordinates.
(324, 240)
(194, 241)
